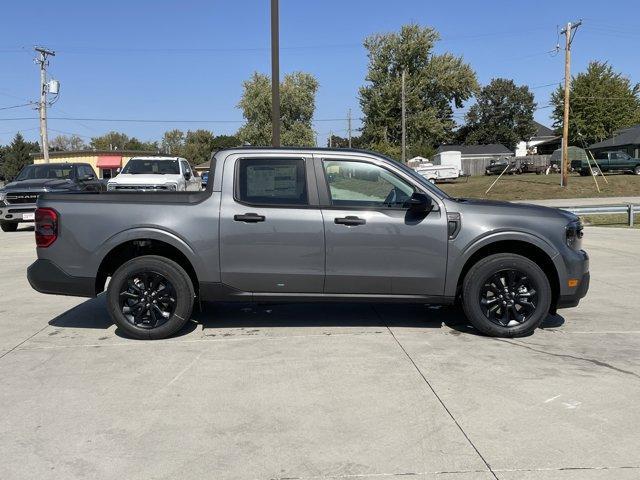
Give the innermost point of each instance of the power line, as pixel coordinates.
(153, 120)
(17, 106)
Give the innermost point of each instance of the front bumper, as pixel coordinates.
(46, 277)
(17, 212)
(578, 270)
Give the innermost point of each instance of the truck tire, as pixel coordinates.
(150, 297)
(9, 226)
(636, 170)
(506, 295)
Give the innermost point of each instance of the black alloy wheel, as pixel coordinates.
(508, 297)
(150, 297)
(147, 299)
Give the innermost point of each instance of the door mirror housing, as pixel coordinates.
(187, 175)
(420, 202)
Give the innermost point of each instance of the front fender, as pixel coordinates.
(458, 256)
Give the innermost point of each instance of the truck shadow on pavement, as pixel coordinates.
(92, 314)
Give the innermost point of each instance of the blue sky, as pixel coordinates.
(187, 60)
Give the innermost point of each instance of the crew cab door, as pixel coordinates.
(88, 179)
(271, 231)
(374, 243)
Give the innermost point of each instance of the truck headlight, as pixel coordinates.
(172, 187)
(111, 187)
(574, 235)
(2, 195)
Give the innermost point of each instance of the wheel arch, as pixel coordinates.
(132, 244)
(527, 246)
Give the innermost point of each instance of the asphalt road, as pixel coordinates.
(322, 391)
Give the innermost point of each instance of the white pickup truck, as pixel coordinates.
(156, 174)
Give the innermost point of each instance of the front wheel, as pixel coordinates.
(150, 297)
(506, 295)
(636, 170)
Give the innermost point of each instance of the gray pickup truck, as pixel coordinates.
(308, 225)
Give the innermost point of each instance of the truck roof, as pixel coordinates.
(157, 157)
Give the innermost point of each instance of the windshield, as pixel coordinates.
(160, 167)
(52, 171)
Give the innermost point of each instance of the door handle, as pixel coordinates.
(249, 218)
(350, 221)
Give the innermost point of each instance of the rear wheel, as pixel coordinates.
(150, 297)
(9, 226)
(506, 295)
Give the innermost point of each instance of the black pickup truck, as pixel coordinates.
(18, 198)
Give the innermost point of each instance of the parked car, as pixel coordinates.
(204, 178)
(309, 225)
(153, 174)
(18, 198)
(496, 167)
(527, 166)
(613, 161)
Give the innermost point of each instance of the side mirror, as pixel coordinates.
(187, 175)
(420, 202)
(118, 170)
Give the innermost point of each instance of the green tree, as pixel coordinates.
(16, 156)
(343, 142)
(198, 146)
(434, 85)
(602, 101)
(121, 141)
(297, 105)
(503, 113)
(226, 141)
(173, 142)
(62, 143)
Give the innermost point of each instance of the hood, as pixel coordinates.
(516, 209)
(142, 179)
(40, 184)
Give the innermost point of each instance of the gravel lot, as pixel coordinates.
(341, 391)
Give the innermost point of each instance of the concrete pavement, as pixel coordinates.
(341, 391)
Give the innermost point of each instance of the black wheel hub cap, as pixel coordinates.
(147, 299)
(508, 298)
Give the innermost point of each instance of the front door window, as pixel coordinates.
(359, 184)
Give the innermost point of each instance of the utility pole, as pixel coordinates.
(275, 73)
(404, 122)
(42, 104)
(569, 33)
(349, 126)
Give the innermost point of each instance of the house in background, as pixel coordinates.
(543, 142)
(627, 140)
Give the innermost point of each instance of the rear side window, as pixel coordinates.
(271, 182)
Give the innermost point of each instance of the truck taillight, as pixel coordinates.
(46, 227)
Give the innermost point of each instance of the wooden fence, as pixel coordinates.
(477, 166)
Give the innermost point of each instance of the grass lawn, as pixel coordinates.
(539, 187)
(620, 220)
